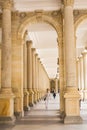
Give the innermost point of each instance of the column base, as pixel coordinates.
(7, 108)
(31, 97)
(73, 120)
(35, 96)
(62, 115)
(26, 108)
(31, 104)
(7, 120)
(26, 100)
(18, 115)
(85, 95)
(72, 107)
(82, 94)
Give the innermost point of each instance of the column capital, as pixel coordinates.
(29, 43)
(36, 55)
(7, 4)
(38, 59)
(84, 52)
(77, 60)
(34, 50)
(80, 56)
(68, 2)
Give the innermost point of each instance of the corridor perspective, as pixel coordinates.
(43, 52)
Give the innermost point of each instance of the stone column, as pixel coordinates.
(17, 63)
(85, 73)
(40, 84)
(36, 56)
(61, 74)
(72, 97)
(56, 85)
(39, 89)
(6, 95)
(41, 79)
(78, 74)
(38, 78)
(29, 72)
(33, 74)
(81, 76)
(26, 94)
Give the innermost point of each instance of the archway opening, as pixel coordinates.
(44, 39)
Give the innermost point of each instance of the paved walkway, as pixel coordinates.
(40, 118)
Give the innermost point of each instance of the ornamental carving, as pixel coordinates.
(39, 14)
(78, 14)
(15, 15)
(22, 15)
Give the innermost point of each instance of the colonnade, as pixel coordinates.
(27, 82)
(23, 77)
(82, 74)
(36, 77)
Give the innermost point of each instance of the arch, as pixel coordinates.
(58, 28)
(43, 18)
(79, 20)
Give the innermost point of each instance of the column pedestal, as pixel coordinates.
(35, 95)
(85, 94)
(72, 109)
(31, 97)
(81, 94)
(6, 108)
(26, 101)
(17, 109)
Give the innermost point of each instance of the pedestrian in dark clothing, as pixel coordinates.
(54, 95)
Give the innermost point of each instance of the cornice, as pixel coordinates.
(68, 2)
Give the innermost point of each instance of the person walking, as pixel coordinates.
(54, 94)
(47, 97)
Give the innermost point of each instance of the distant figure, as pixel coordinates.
(54, 95)
(47, 97)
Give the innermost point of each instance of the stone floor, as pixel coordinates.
(40, 118)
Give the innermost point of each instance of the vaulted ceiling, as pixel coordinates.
(31, 5)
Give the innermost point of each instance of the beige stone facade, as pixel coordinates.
(19, 62)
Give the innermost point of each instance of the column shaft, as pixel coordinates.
(78, 74)
(6, 95)
(26, 94)
(69, 48)
(33, 74)
(6, 47)
(85, 73)
(29, 72)
(71, 95)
